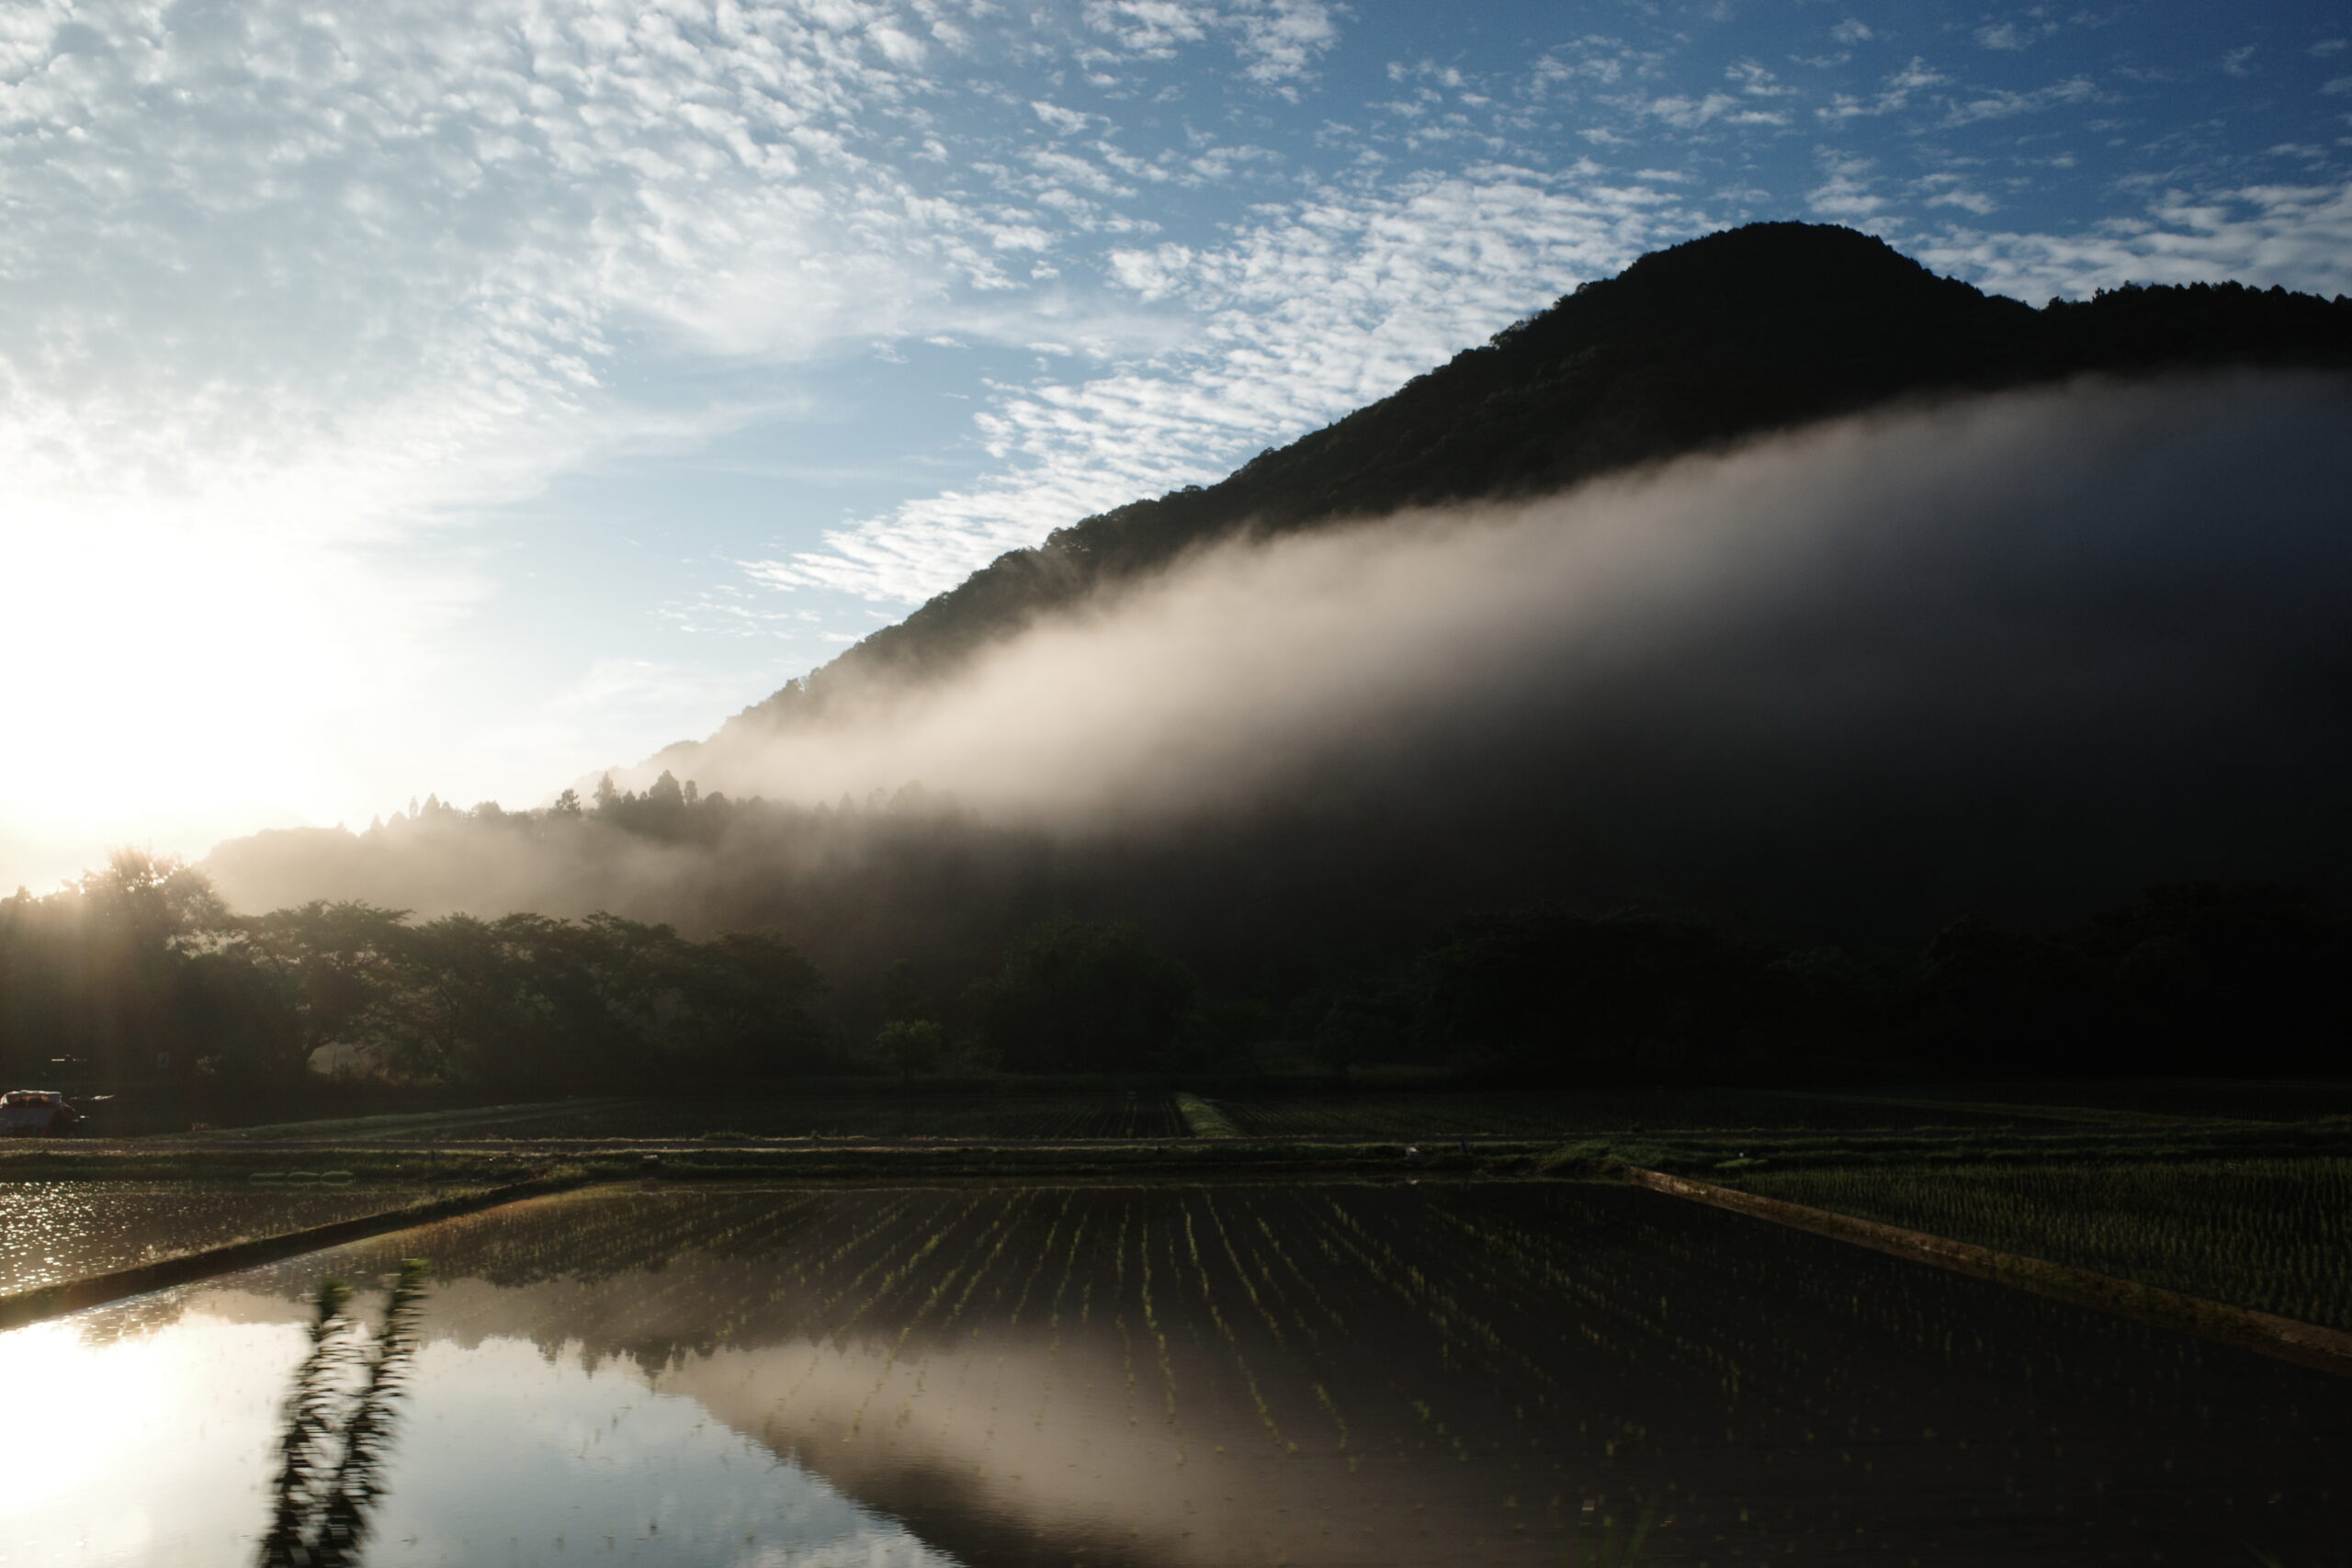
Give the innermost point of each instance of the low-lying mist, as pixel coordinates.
(2017, 654)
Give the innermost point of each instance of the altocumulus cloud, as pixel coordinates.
(290, 288)
(1298, 318)
(297, 297)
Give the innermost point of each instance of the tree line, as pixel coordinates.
(138, 977)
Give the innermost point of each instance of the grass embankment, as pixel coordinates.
(1202, 1119)
(152, 1160)
(1727, 1153)
(395, 1124)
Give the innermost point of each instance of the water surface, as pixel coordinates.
(1310, 1374)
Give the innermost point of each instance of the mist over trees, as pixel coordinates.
(1839, 689)
(1825, 749)
(138, 977)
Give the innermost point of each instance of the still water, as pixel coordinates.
(1308, 1374)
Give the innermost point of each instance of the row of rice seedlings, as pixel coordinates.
(1039, 1263)
(2267, 1234)
(1475, 1290)
(1613, 1314)
(1049, 1379)
(1943, 1317)
(832, 1305)
(1201, 1275)
(1346, 1250)
(1632, 1300)
(987, 1248)
(1151, 1316)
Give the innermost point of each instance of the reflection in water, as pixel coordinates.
(1169, 1376)
(338, 1435)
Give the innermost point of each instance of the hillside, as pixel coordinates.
(2017, 657)
(1738, 333)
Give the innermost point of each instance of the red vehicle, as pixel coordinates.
(35, 1113)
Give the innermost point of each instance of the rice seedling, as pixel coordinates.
(2266, 1233)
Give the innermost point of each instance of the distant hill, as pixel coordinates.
(1741, 333)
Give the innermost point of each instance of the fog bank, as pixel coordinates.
(2136, 589)
(2017, 654)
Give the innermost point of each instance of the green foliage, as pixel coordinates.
(1076, 996)
(1300, 918)
(1204, 1120)
(138, 977)
(912, 1045)
(1567, 992)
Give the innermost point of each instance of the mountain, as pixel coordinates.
(2017, 656)
(1737, 334)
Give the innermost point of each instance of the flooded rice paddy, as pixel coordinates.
(2273, 1234)
(1177, 1375)
(55, 1231)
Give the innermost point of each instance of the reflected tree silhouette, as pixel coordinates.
(339, 1416)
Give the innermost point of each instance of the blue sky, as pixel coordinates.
(457, 396)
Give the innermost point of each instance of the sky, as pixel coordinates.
(459, 397)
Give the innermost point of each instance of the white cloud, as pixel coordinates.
(2296, 236)
(285, 287)
(1690, 113)
(1893, 94)
(1276, 39)
(2017, 34)
(1755, 81)
(2001, 104)
(1847, 192)
(1949, 188)
(291, 292)
(1852, 31)
(1068, 123)
(1300, 319)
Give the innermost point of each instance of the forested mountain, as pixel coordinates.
(1752, 330)
(1790, 742)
